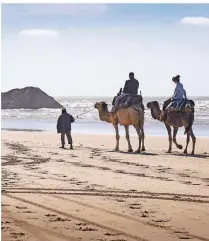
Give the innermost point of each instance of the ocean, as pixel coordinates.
(89, 123)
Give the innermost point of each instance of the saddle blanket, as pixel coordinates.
(181, 105)
(126, 100)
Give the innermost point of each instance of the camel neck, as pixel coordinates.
(156, 113)
(104, 115)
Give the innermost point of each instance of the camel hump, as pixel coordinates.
(133, 100)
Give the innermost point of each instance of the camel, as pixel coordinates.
(126, 117)
(175, 119)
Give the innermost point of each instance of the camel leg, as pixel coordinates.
(128, 139)
(188, 139)
(143, 136)
(117, 137)
(193, 141)
(169, 138)
(175, 130)
(140, 138)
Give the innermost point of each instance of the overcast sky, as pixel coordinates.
(89, 49)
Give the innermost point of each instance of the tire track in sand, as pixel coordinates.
(116, 194)
(105, 227)
(173, 231)
(39, 231)
(107, 191)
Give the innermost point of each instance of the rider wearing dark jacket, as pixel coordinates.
(131, 85)
(130, 88)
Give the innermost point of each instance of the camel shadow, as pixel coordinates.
(144, 153)
(141, 153)
(200, 156)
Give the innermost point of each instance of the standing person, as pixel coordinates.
(64, 127)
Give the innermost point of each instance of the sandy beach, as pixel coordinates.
(94, 193)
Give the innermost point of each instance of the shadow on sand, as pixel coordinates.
(201, 156)
(136, 153)
(141, 153)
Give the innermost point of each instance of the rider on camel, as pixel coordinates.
(179, 94)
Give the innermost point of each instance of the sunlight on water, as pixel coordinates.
(45, 119)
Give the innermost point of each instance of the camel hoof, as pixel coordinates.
(130, 150)
(169, 151)
(180, 147)
(116, 149)
(143, 149)
(192, 153)
(185, 151)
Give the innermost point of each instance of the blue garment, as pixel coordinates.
(179, 104)
(179, 92)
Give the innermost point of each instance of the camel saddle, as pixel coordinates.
(130, 100)
(181, 105)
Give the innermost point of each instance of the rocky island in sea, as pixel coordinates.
(27, 98)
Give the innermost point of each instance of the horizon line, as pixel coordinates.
(105, 96)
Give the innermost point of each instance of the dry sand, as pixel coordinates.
(93, 193)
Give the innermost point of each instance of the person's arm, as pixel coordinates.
(185, 94)
(72, 119)
(125, 89)
(175, 93)
(137, 87)
(58, 124)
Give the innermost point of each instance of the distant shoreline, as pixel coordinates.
(111, 96)
(75, 133)
(16, 129)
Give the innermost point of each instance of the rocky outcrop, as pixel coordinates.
(27, 98)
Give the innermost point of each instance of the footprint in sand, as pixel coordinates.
(19, 207)
(135, 206)
(84, 229)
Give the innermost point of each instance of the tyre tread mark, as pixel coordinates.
(130, 218)
(78, 218)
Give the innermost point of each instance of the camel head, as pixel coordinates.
(155, 109)
(153, 105)
(101, 106)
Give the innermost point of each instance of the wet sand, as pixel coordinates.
(94, 193)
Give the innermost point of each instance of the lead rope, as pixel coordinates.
(85, 112)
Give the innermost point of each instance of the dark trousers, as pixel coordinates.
(69, 138)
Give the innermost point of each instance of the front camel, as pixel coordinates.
(126, 117)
